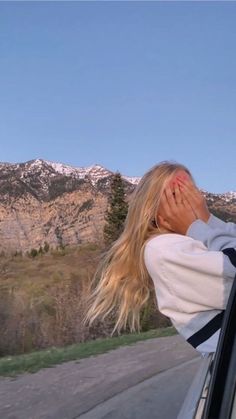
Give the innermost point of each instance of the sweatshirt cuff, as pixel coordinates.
(215, 222)
(199, 230)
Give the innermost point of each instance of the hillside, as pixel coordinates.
(43, 300)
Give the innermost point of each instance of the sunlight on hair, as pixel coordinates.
(122, 282)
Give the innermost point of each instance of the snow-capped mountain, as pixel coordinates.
(229, 196)
(46, 179)
(94, 173)
(61, 204)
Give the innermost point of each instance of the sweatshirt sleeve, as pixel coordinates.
(198, 278)
(219, 237)
(216, 222)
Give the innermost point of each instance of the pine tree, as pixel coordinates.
(46, 247)
(40, 251)
(33, 253)
(117, 210)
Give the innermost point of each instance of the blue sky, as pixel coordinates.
(121, 84)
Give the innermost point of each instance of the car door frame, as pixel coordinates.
(222, 386)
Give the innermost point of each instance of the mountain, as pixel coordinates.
(222, 205)
(47, 201)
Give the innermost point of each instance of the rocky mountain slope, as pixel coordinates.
(47, 201)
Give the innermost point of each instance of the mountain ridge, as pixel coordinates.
(95, 171)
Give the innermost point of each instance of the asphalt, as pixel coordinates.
(158, 397)
(77, 388)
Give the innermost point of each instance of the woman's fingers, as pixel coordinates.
(195, 198)
(187, 186)
(175, 213)
(173, 198)
(170, 197)
(189, 195)
(177, 194)
(190, 191)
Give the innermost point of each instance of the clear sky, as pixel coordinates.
(121, 84)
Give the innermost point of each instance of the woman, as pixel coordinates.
(159, 249)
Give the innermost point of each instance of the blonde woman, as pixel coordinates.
(161, 248)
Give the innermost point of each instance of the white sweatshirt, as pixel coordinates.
(193, 279)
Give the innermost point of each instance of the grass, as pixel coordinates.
(34, 361)
(22, 272)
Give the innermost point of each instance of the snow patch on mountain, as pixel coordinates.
(94, 172)
(229, 196)
(134, 180)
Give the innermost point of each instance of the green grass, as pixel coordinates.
(34, 361)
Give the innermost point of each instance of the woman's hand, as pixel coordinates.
(195, 198)
(175, 213)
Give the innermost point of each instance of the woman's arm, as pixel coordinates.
(191, 272)
(212, 238)
(216, 222)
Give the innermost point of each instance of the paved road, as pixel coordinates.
(147, 376)
(159, 397)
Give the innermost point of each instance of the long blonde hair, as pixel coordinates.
(122, 281)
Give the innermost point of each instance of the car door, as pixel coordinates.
(212, 394)
(220, 400)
